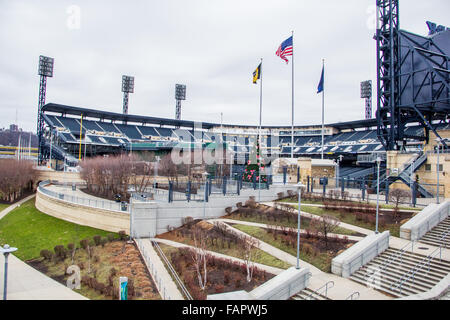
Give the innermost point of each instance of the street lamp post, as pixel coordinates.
(6, 250)
(339, 159)
(205, 174)
(299, 185)
(156, 171)
(378, 192)
(437, 169)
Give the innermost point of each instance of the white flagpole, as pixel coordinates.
(292, 123)
(259, 134)
(323, 99)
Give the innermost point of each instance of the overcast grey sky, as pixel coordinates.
(212, 46)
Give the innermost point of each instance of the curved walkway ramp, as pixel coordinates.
(25, 282)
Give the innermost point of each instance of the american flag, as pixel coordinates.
(285, 49)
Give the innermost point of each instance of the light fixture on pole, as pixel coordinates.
(366, 93)
(437, 169)
(299, 185)
(339, 160)
(180, 94)
(6, 250)
(127, 87)
(378, 191)
(205, 174)
(45, 70)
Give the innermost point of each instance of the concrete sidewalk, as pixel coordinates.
(7, 210)
(25, 282)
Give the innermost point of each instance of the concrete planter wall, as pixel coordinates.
(280, 287)
(424, 221)
(359, 254)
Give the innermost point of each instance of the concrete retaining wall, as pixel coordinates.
(148, 218)
(113, 221)
(153, 218)
(359, 254)
(424, 221)
(280, 287)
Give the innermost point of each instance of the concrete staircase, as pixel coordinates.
(308, 294)
(435, 235)
(387, 271)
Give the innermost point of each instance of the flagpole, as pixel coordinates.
(323, 100)
(292, 123)
(259, 134)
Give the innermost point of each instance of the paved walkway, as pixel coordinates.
(25, 282)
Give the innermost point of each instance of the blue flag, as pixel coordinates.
(320, 87)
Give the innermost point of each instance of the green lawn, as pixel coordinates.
(31, 231)
(321, 260)
(3, 206)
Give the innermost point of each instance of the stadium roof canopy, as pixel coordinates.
(113, 116)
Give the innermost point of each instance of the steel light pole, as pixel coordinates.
(299, 185)
(437, 169)
(6, 250)
(378, 192)
(205, 174)
(156, 171)
(339, 159)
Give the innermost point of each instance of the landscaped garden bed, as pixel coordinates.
(358, 213)
(100, 265)
(51, 245)
(281, 214)
(222, 275)
(315, 248)
(220, 240)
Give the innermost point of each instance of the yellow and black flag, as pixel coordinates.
(257, 74)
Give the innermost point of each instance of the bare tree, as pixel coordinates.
(249, 243)
(16, 176)
(396, 196)
(200, 256)
(324, 226)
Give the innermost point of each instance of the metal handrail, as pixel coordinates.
(317, 292)
(350, 297)
(172, 271)
(395, 257)
(424, 262)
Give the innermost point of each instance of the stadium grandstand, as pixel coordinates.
(102, 133)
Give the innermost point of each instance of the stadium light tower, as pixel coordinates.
(127, 87)
(366, 93)
(45, 70)
(180, 94)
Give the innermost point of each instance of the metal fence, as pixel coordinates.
(84, 201)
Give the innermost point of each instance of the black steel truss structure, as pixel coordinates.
(412, 78)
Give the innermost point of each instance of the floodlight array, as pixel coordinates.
(180, 92)
(127, 84)
(366, 89)
(45, 66)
